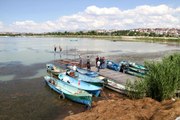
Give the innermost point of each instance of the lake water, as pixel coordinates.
(23, 93)
(35, 50)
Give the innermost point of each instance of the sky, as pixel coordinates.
(75, 15)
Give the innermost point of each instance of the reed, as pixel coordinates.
(162, 79)
(135, 90)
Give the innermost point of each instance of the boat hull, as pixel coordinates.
(87, 72)
(92, 80)
(95, 90)
(83, 99)
(113, 66)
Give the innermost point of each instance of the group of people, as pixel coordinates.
(100, 62)
(55, 48)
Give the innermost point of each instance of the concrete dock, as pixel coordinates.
(116, 76)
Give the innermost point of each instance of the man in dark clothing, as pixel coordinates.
(88, 63)
(54, 48)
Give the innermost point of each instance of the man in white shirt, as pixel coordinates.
(98, 65)
(74, 67)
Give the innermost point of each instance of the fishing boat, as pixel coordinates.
(113, 66)
(137, 66)
(143, 72)
(68, 91)
(85, 78)
(95, 90)
(133, 68)
(111, 84)
(87, 72)
(53, 69)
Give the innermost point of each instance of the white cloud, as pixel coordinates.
(102, 11)
(94, 17)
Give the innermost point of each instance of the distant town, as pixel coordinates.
(151, 32)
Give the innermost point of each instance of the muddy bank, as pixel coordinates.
(135, 57)
(126, 109)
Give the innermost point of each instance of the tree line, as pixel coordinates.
(91, 33)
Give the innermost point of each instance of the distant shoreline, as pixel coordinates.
(112, 38)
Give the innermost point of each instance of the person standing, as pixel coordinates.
(60, 49)
(98, 65)
(80, 61)
(54, 48)
(88, 63)
(97, 59)
(101, 62)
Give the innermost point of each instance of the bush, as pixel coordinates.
(162, 79)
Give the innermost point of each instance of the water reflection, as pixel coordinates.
(16, 70)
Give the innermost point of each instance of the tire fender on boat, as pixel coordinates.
(61, 96)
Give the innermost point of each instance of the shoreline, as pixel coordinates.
(112, 38)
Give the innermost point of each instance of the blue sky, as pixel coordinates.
(35, 12)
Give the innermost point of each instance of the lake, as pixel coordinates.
(23, 93)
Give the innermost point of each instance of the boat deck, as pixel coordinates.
(116, 76)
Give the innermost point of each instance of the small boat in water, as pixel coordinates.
(53, 69)
(95, 90)
(87, 72)
(85, 78)
(68, 91)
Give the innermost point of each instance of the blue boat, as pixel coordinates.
(92, 80)
(68, 91)
(95, 90)
(53, 69)
(87, 72)
(113, 66)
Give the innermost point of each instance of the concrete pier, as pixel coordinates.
(116, 76)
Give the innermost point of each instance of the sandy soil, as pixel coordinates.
(126, 109)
